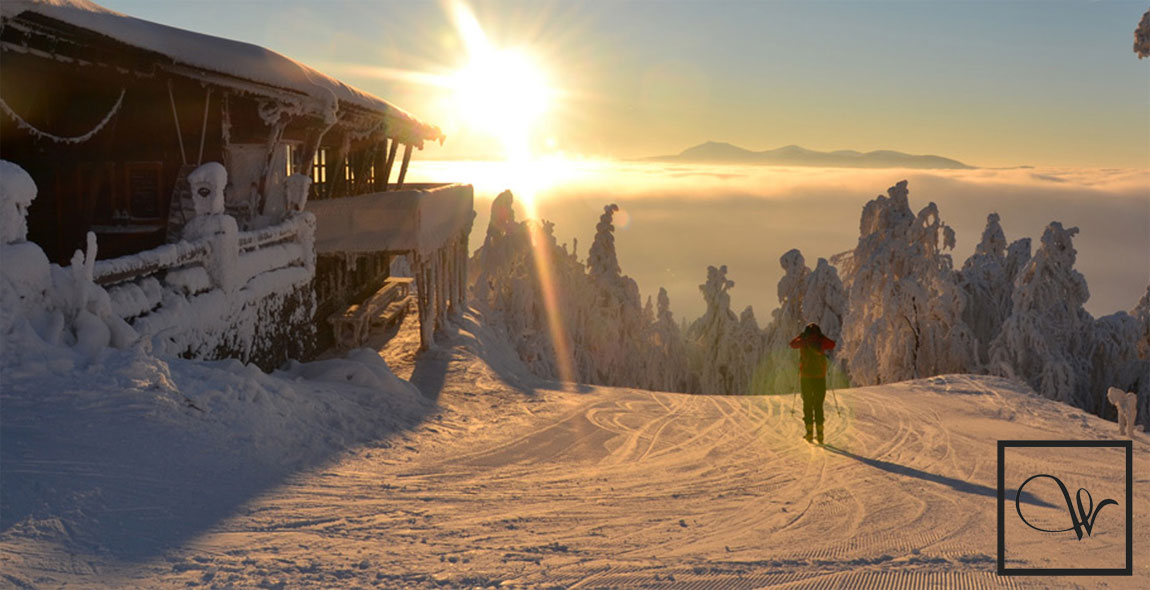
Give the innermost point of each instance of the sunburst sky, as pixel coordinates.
(989, 83)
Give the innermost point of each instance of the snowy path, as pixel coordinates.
(526, 486)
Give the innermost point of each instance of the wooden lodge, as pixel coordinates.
(109, 114)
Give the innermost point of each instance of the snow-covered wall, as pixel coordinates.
(396, 221)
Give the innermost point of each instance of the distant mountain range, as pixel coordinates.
(714, 152)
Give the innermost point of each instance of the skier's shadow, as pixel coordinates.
(956, 484)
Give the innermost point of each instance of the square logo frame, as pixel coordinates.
(1128, 446)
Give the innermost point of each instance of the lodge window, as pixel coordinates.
(292, 165)
(319, 188)
(144, 181)
(319, 167)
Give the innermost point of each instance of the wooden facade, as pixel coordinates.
(108, 131)
(109, 114)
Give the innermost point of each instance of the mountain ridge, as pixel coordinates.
(715, 152)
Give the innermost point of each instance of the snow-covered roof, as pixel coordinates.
(222, 56)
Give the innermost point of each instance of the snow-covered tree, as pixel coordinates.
(749, 370)
(1141, 313)
(825, 304)
(1142, 37)
(825, 300)
(716, 357)
(666, 352)
(904, 317)
(805, 297)
(615, 324)
(602, 262)
(1114, 361)
(561, 314)
(987, 278)
(1048, 339)
(782, 361)
(1134, 373)
(510, 290)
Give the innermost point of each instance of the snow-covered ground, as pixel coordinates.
(137, 472)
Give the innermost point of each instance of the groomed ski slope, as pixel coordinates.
(512, 482)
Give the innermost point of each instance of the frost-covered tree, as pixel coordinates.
(1114, 361)
(510, 291)
(602, 262)
(504, 242)
(1142, 37)
(749, 370)
(560, 314)
(666, 352)
(1048, 339)
(805, 297)
(825, 304)
(1113, 337)
(1141, 313)
(825, 300)
(615, 324)
(716, 358)
(782, 374)
(987, 278)
(904, 317)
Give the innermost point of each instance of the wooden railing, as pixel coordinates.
(149, 262)
(182, 254)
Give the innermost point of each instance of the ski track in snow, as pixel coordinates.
(520, 484)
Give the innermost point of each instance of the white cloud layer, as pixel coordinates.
(676, 219)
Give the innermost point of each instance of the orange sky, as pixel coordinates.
(991, 84)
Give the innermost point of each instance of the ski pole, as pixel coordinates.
(793, 396)
(836, 398)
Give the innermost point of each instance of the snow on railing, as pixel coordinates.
(218, 293)
(268, 236)
(137, 266)
(199, 252)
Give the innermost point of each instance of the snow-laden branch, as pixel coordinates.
(1142, 37)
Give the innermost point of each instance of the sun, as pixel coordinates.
(500, 92)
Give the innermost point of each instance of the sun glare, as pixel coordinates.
(501, 92)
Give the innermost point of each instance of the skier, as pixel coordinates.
(813, 348)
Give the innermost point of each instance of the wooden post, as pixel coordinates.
(380, 161)
(452, 279)
(461, 256)
(403, 168)
(437, 309)
(390, 161)
(423, 288)
(442, 283)
(273, 146)
(339, 186)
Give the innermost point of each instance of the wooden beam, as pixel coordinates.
(403, 169)
(379, 160)
(390, 161)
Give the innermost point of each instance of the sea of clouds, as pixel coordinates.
(677, 219)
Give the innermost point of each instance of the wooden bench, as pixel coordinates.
(384, 307)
